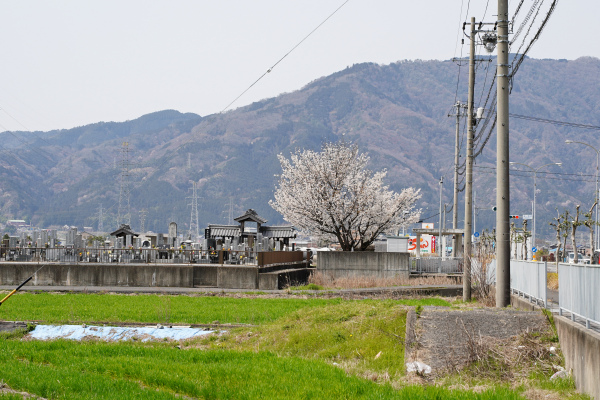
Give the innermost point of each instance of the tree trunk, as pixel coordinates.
(524, 239)
(573, 230)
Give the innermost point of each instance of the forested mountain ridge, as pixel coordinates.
(398, 113)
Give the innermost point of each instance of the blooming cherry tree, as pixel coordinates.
(332, 194)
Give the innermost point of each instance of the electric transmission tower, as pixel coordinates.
(194, 231)
(100, 219)
(230, 212)
(124, 213)
(143, 214)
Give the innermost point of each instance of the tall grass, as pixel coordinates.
(94, 370)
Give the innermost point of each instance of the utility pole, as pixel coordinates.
(440, 227)
(460, 107)
(502, 161)
(468, 230)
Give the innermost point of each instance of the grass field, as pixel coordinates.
(297, 348)
(77, 307)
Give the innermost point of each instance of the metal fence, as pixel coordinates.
(529, 279)
(577, 295)
(436, 265)
(145, 255)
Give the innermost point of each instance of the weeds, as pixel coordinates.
(310, 286)
(524, 359)
(552, 280)
(358, 282)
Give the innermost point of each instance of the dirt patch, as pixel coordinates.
(4, 389)
(6, 326)
(449, 340)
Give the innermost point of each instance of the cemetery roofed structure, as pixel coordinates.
(124, 231)
(242, 231)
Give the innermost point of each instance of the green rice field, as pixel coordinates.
(294, 348)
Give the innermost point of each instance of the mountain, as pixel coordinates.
(398, 113)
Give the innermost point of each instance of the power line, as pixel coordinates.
(554, 122)
(517, 61)
(259, 78)
(526, 19)
(535, 38)
(526, 173)
(517, 12)
(284, 56)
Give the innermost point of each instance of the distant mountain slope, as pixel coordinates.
(398, 113)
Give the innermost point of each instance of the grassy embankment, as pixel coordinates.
(296, 348)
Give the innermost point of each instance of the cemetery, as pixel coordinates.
(230, 256)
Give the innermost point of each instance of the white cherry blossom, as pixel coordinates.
(332, 194)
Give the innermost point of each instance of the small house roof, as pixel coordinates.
(251, 215)
(224, 230)
(280, 232)
(124, 230)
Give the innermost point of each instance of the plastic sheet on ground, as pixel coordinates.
(115, 333)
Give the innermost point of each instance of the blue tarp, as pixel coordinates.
(115, 333)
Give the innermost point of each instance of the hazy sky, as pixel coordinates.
(71, 63)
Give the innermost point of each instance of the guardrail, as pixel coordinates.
(436, 265)
(578, 287)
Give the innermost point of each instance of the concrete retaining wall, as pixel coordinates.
(98, 274)
(142, 275)
(581, 348)
(346, 264)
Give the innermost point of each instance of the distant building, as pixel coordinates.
(19, 223)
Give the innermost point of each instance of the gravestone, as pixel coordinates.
(172, 233)
(71, 237)
(44, 238)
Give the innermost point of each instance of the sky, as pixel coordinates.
(72, 63)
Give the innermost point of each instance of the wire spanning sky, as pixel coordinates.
(72, 63)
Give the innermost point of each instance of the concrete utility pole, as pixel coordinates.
(459, 113)
(441, 251)
(502, 162)
(469, 172)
